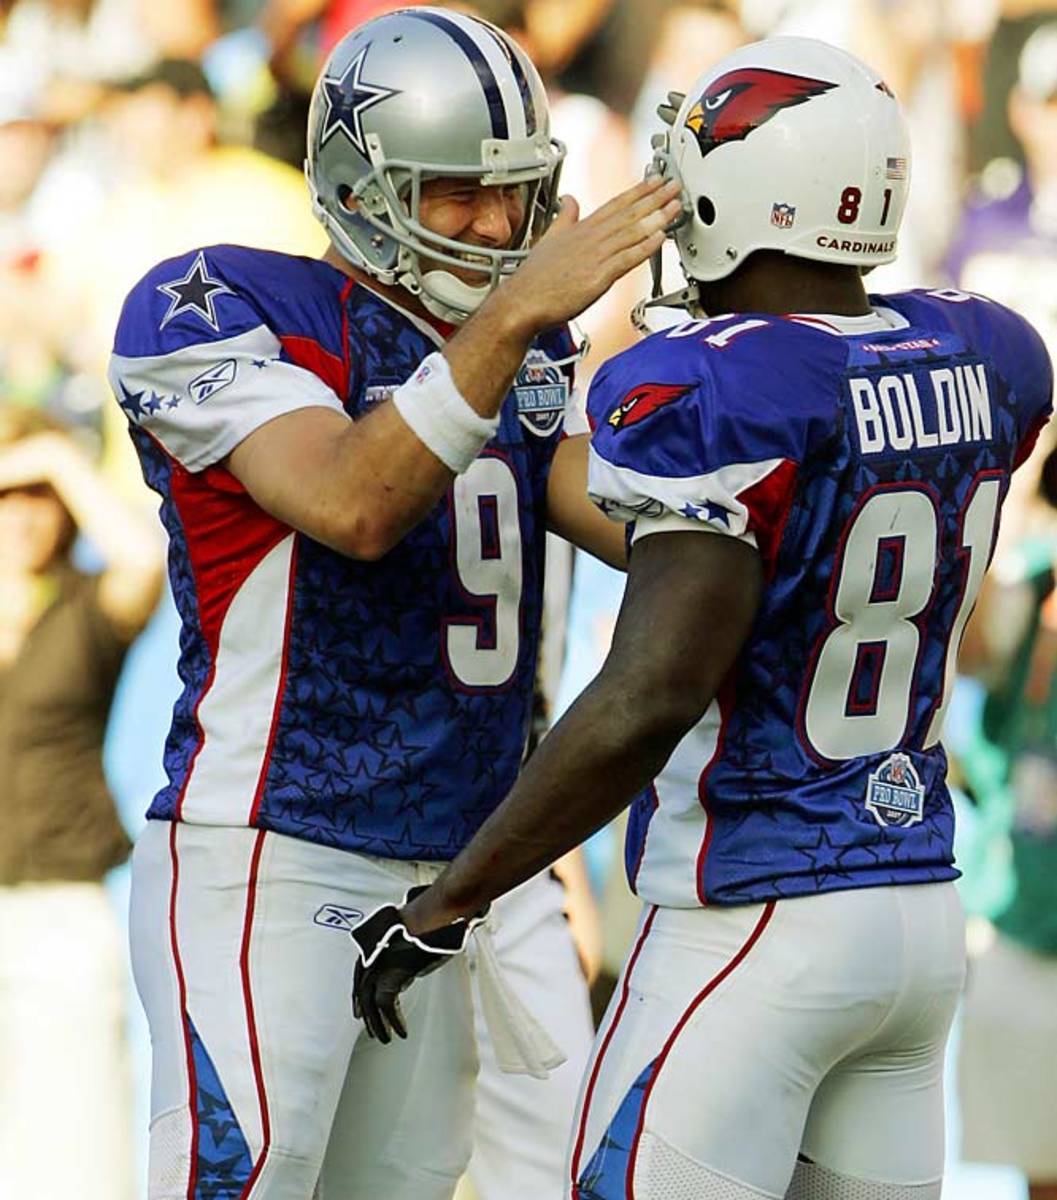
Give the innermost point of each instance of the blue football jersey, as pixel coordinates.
(867, 460)
(372, 706)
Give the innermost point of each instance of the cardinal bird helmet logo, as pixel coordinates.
(744, 99)
(644, 400)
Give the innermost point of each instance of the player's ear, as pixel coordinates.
(348, 200)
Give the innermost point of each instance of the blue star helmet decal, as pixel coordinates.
(195, 292)
(347, 99)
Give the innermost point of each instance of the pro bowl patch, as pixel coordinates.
(541, 392)
(895, 795)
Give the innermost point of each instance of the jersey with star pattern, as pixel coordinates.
(867, 461)
(379, 707)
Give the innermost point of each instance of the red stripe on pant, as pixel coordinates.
(701, 996)
(251, 1022)
(596, 1068)
(192, 1077)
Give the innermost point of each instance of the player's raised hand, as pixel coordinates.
(577, 260)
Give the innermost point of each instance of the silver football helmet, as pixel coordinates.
(419, 94)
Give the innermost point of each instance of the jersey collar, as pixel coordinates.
(879, 320)
(434, 328)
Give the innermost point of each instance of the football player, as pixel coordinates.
(813, 478)
(357, 459)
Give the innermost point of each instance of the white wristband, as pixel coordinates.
(440, 418)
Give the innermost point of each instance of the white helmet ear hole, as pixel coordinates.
(706, 211)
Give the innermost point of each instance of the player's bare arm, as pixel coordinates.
(359, 487)
(572, 515)
(690, 602)
(656, 683)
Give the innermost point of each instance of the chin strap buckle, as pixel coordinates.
(686, 298)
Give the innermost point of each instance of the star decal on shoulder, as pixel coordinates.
(347, 99)
(130, 401)
(196, 292)
(717, 512)
(139, 409)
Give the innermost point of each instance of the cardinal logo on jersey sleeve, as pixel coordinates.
(643, 401)
(744, 99)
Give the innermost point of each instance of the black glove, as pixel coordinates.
(391, 959)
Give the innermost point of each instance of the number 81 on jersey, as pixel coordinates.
(860, 696)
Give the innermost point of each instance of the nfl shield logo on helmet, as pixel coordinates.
(542, 392)
(783, 215)
(895, 795)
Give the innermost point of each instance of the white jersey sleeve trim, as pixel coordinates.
(575, 421)
(709, 500)
(200, 401)
(645, 526)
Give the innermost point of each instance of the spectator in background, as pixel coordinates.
(41, 167)
(67, 49)
(65, 1125)
(176, 187)
(1006, 243)
(179, 187)
(1012, 23)
(27, 366)
(1008, 1060)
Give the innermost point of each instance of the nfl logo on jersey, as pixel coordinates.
(541, 391)
(895, 794)
(783, 215)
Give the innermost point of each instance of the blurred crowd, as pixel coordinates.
(131, 131)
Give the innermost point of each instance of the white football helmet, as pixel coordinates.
(414, 95)
(788, 144)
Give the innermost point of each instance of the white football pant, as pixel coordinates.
(261, 1078)
(521, 1124)
(243, 960)
(741, 1038)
